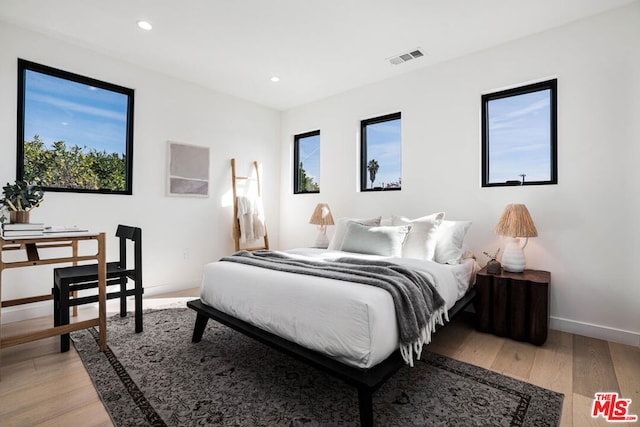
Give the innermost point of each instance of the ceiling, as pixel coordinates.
(316, 48)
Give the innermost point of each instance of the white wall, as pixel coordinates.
(165, 109)
(587, 223)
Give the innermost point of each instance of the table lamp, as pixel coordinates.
(321, 218)
(514, 223)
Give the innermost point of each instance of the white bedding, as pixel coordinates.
(353, 323)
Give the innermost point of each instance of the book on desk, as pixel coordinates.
(22, 226)
(63, 229)
(22, 230)
(15, 230)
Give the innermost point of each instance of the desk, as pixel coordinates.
(31, 246)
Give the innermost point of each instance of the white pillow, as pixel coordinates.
(380, 240)
(450, 240)
(341, 227)
(422, 238)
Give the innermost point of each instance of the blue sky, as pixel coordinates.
(384, 145)
(519, 137)
(309, 155)
(78, 114)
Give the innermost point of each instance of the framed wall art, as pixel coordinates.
(187, 170)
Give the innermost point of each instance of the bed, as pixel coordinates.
(346, 329)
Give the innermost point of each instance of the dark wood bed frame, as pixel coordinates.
(367, 381)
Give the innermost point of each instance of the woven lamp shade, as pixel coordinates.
(321, 215)
(516, 222)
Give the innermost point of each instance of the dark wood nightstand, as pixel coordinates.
(514, 305)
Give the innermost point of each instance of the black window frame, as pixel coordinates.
(552, 86)
(363, 150)
(23, 67)
(296, 161)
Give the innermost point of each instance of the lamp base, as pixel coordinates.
(322, 241)
(513, 259)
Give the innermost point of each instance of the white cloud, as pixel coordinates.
(78, 107)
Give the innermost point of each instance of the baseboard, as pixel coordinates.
(165, 289)
(27, 311)
(595, 331)
(45, 308)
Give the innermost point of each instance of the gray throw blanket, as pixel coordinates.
(419, 307)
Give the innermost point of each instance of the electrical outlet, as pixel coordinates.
(185, 253)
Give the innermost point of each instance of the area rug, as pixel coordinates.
(159, 377)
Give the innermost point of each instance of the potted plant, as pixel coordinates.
(21, 198)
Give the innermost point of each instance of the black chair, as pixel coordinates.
(68, 280)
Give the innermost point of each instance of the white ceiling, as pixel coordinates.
(317, 48)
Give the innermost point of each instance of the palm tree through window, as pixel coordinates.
(381, 153)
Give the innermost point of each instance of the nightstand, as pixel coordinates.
(514, 305)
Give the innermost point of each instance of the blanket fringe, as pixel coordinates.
(408, 350)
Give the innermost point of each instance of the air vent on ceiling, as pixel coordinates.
(404, 57)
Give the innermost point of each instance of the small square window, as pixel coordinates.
(75, 133)
(519, 136)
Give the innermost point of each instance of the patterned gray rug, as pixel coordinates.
(159, 377)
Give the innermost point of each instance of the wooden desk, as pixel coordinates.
(31, 246)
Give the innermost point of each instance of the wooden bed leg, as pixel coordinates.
(365, 405)
(198, 329)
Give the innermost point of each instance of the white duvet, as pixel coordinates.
(350, 322)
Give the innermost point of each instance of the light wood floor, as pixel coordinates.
(41, 387)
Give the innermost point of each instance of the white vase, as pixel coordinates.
(513, 255)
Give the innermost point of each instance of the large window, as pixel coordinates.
(75, 133)
(381, 153)
(306, 163)
(519, 136)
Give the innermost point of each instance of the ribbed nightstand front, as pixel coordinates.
(514, 305)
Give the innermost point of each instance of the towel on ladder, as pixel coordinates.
(251, 218)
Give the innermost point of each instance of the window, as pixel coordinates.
(306, 161)
(381, 153)
(75, 133)
(519, 136)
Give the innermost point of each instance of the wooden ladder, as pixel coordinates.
(236, 223)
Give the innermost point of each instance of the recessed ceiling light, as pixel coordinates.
(145, 25)
(275, 79)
